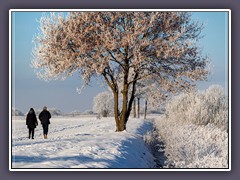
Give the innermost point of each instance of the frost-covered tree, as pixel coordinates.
(141, 93)
(151, 94)
(121, 47)
(103, 104)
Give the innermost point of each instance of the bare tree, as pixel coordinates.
(131, 46)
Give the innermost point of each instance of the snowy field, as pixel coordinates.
(81, 142)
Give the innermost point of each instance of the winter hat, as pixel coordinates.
(31, 110)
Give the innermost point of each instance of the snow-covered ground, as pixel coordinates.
(81, 142)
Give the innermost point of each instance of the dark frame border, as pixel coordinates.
(234, 5)
(117, 169)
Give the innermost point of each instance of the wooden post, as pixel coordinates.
(145, 109)
(138, 110)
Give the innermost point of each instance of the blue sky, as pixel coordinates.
(29, 91)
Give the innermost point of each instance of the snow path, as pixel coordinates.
(82, 142)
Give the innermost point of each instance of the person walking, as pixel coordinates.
(31, 122)
(44, 117)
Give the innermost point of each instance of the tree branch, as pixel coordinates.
(107, 80)
(114, 59)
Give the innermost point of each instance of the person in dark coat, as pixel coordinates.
(44, 117)
(31, 122)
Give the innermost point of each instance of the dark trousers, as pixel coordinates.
(31, 132)
(45, 128)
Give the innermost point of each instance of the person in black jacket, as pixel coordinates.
(44, 117)
(31, 122)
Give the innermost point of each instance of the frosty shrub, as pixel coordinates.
(195, 130)
(103, 104)
(53, 111)
(193, 146)
(16, 112)
(149, 137)
(200, 108)
(88, 112)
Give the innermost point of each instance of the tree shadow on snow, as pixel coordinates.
(36, 161)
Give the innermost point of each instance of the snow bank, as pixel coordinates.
(82, 143)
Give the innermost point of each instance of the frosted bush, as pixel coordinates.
(194, 129)
(53, 111)
(193, 146)
(150, 137)
(200, 108)
(16, 112)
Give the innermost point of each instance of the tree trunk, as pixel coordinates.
(134, 108)
(145, 110)
(123, 116)
(116, 111)
(138, 109)
(121, 120)
(124, 112)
